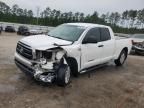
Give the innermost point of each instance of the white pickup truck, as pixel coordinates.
(70, 49)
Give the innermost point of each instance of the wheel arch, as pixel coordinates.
(126, 50)
(73, 65)
(119, 52)
(118, 60)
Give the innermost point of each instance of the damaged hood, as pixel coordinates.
(43, 42)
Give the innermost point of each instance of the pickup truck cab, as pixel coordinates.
(70, 49)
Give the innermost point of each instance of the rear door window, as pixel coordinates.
(105, 34)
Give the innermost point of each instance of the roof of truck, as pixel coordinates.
(88, 25)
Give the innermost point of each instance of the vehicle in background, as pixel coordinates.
(23, 30)
(70, 49)
(35, 31)
(9, 29)
(138, 43)
(0, 29)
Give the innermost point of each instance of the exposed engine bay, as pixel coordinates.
(47, 63)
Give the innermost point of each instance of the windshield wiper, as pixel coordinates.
(50, 35)
(59, 38)
(56, 37)
(55, 44)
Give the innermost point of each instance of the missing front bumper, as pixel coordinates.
(47, 77)
(24, 68)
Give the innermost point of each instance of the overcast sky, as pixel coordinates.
(86, 6)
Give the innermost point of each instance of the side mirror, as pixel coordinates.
(89, 40)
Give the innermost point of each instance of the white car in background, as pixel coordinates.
(72, 48)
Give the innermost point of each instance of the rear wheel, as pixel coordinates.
(121, 60)
(63, 75)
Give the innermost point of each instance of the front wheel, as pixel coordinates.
(63, 75)
(121, 60)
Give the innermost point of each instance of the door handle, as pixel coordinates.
(100, 45)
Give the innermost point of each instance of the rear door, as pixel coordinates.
(108, 45)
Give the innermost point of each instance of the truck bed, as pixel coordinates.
(120, 43)
(120, 37)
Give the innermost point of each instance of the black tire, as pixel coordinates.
(120, 61)
(61, 76)
(73, 66)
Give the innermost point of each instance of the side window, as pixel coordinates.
(105, 34)
(94, 34)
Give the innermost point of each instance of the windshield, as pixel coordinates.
(67, 32)
(140, 36)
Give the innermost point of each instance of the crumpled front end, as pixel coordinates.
(48, 63)
(44, 64)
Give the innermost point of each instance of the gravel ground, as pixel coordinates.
(106, 87)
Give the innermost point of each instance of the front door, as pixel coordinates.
(91, 49)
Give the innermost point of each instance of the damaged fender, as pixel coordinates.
(48, 63)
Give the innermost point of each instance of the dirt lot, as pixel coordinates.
(107, 87)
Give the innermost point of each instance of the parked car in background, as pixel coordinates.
(138, 43)
(9, 29)
(35, 31)
(23, 30)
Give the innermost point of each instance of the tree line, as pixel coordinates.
(130, 21)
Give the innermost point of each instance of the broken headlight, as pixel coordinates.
(43, 61)
(59, 55)
(42, 56)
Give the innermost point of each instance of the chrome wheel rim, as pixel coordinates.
(67, 75)
(122, 59)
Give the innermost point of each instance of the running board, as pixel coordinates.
(92, 68)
